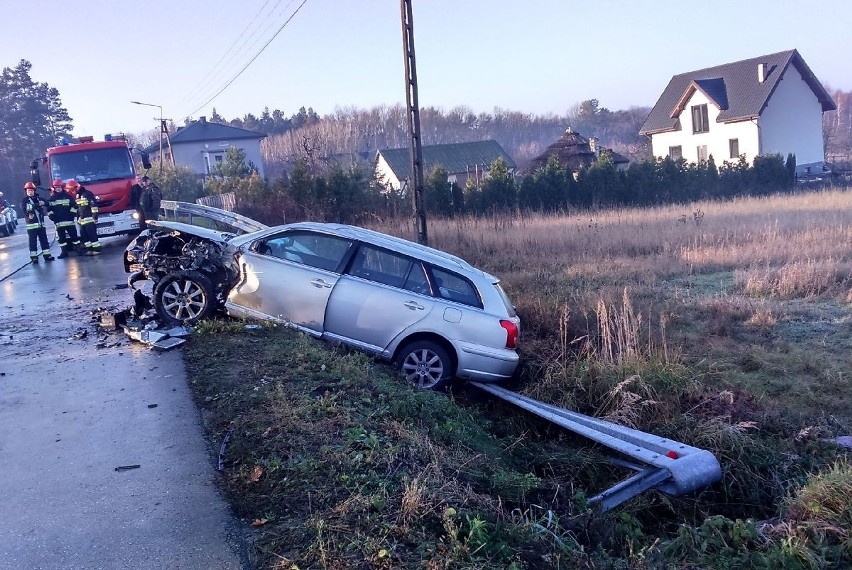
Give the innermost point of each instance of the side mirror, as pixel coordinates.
(34, 173)
(146, 160)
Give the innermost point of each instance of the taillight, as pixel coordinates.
(511, 333)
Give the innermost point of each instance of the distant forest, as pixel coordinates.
(320, 141)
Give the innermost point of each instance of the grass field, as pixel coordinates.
(725, 325)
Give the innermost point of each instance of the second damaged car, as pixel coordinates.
(431, 313)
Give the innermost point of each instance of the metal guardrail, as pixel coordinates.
(206, 216)
(670, 466)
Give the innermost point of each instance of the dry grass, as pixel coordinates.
(703, 281)
(623, 246)
(723, 325)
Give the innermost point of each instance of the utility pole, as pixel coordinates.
(413, 108)
(163, 129)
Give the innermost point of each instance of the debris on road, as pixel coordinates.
(80, 334)
(127, 467)
(140, 323)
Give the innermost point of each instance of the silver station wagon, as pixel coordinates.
(431, 313)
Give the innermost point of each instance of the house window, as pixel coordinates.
(218, 158)
(734, 146)
(700, 122)
(676, 152)
(702, 153)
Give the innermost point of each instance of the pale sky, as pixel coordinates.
(538, 56)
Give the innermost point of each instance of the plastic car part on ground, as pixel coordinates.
(142, 328)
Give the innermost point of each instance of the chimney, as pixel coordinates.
(202, 120)
(761, 72)
(593, 145)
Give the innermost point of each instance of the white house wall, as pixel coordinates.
(384, 173)
(196, 154)
(792, 121)
(716, 138)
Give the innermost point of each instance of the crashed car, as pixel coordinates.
(431, 313)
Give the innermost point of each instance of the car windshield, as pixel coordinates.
(95, 165)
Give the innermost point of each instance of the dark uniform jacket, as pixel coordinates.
(87, 207)
(34, 208)
(62, 208)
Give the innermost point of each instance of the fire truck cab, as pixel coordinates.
(105, 168)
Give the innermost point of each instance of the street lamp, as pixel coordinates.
(160, 107)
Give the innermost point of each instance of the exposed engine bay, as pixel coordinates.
(158, 253)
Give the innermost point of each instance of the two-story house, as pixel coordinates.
(764, 105)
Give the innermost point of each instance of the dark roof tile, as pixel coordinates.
(734, 87)
(200, 131)
(455, 158)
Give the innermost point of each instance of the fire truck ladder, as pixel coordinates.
(670, 466)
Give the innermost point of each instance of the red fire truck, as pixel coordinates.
(104, 167)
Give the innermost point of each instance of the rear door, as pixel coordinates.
(382, 294)
(289, 277)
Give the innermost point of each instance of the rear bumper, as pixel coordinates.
(485, 364)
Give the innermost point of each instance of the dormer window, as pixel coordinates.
(700, 122)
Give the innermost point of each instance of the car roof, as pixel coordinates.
(393, 243)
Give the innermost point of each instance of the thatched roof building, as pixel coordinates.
(575, 153)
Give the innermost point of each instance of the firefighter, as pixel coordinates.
(34, 207)
(87, 216)
(147, 197)
(62, 209)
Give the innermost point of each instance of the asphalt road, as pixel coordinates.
(77, 403)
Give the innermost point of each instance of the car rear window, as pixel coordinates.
(510, 308)
(454, 287)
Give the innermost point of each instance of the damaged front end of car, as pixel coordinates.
(191, 274)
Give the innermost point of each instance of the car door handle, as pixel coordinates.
(414, 305)
(320, 283)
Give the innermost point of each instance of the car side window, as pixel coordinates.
(313, 249)
(416, 280)
(454, 287)
(381, 266)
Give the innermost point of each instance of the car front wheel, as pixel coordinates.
(426, 365)
(184, 298)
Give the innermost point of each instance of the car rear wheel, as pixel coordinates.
(184, 298)
(426, 365)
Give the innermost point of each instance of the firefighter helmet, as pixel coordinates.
(29, 186)
(58, 183)
(72, 185)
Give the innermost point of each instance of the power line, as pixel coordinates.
(217, 67)
(271, 18)
(240, 72)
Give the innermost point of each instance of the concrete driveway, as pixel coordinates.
(103, 460)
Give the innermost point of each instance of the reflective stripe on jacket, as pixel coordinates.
(87, 207)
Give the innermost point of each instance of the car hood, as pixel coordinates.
(206, 233)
